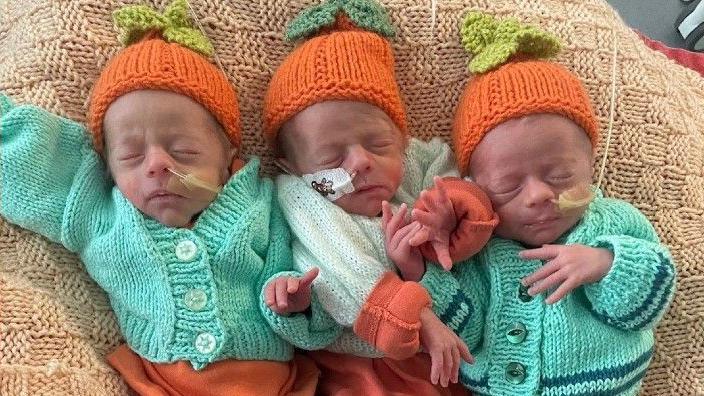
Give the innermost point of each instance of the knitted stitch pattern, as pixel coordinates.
(349, 249)
(515, 89)
(56, 323)
(178, 293)
(343, 62)
(164, 64)
(598, 340)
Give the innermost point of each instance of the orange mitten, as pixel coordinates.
(476, 219)
(390, 318)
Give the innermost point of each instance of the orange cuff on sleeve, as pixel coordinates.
(476, 218)
(390, 317)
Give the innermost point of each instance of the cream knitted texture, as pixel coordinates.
(349, 249)
(53, 316)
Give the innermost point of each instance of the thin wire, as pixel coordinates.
(202, 30)
(611, 113)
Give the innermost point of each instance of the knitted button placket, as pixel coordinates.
(195, 299)
(186, 250)
(516, 333)
(515, 373)
(523, 293)
(205, 343)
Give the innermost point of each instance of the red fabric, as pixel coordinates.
(298, 377)
(346, 375)
(692, 60)
(390, 317)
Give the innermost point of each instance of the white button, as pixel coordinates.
(195, 299)
(205, 343)
(186, 250)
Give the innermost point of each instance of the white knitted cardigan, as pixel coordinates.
(349, 249)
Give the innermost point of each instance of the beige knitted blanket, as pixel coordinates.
(55, 323)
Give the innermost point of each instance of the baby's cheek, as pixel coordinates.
(129, 187)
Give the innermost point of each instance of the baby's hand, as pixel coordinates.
(287, 294)
(397, 236)
(568, 266)
(438, 221)
(445, 348)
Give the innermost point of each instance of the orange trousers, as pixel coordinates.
(298, 377)
(346, 375)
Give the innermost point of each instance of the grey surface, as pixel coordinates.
(654, 18)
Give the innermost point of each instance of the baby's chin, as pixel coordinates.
(170, 217)
(369, 207)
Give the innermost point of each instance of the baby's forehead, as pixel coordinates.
(171, 116)
(338, 122)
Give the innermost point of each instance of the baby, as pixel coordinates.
(179, 233)
(525, 131)
(335, 115)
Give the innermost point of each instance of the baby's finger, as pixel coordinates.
(429, 200)
(385, 214)
(270, 294)
(455, 366)
(397, 220)
(551, 281)
(442, 250)
(442, 190)
(401, 236)
(424, 217)
(547, 252)
(420, 237)
(308, 278)
(541, 273)
(281, 294)
(292, 285)
(464, 352)
(447, 371)
(566, 287)
(435, 366)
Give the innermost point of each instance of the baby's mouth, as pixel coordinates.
(544, 221)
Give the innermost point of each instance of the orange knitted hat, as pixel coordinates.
(347, 59)
(504, 90)
(168, 55)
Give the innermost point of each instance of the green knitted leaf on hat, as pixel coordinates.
(493, 42)
(365, 14)
(369, 15)
(174, 25)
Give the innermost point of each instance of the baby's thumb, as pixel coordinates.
(308, 278)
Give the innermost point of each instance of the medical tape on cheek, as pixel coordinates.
(332, 184)
(190, 186)
(574, 198)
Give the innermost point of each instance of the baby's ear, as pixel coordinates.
(234, 162)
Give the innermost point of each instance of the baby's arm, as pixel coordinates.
(312, 330)
(52, 179)
(627, 275)
(458, 220)
(460, 299)
(638, 289)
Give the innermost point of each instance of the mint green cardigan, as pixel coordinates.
(178, 294)
(596, 341)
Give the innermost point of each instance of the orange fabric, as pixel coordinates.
(342, 63)
(514, 90)
(476, 219)
(155, 64)
(390, 317)
(298, 377)
(345, 375)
